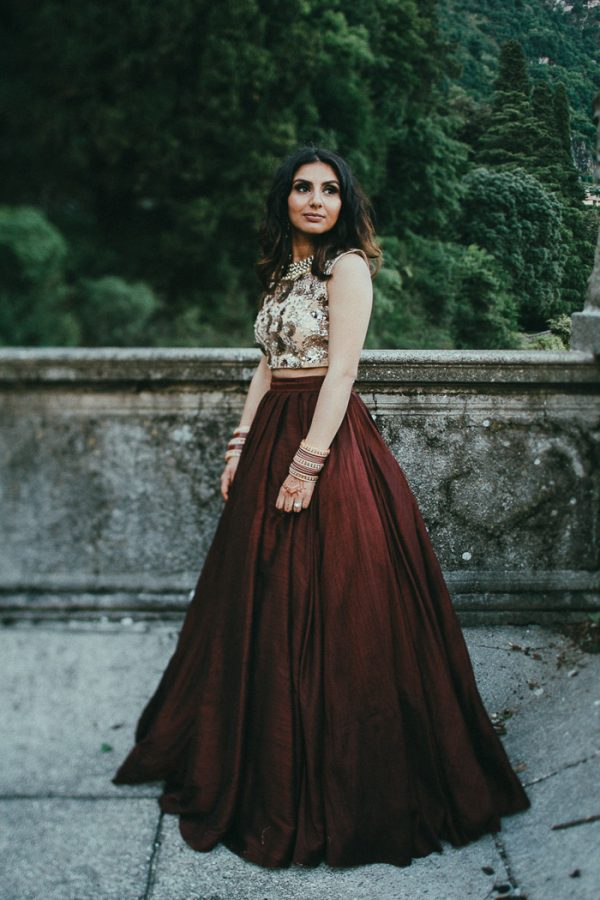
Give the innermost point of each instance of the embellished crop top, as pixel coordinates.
(292, 325)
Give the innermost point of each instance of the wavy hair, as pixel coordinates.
(353, 229)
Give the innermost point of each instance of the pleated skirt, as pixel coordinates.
(320, 704)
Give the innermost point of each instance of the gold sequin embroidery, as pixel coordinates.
(292, 326)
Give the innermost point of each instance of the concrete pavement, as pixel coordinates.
(70, 694)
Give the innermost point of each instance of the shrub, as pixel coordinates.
(113, 312)
(33, 292)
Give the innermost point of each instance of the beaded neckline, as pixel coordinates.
(294, 269)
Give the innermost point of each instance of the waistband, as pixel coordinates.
(297, 383)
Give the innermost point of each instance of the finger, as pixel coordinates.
(307, 496)
(289, 500)
(227, 480)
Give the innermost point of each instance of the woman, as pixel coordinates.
(320, 703)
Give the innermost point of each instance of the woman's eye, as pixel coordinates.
(331, 189)
(301, 187)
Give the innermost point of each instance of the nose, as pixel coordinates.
(316, 199)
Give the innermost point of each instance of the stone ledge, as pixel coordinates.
(507, 604)
(107, 366)
(111, 460)
(460, 581)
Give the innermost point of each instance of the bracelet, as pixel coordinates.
(315, 450)
(310, 468)
(302, 456)
(236, 442)
(301, 475)
(307, 462)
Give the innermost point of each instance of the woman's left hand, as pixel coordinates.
(294, 491)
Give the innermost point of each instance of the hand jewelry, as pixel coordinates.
(236, 442)
(308, 462)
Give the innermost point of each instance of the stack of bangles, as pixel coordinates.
(308, 462)
(237, 441)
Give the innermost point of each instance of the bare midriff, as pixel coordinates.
(300, 373)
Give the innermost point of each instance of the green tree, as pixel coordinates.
(33, 292)
(441, 294)
(580, 224)
(512, 217)
(570, 184)
(149, 133)
(512, 75)
(114, 313)
(486, 313)
(510, 134)
(559, 47)
(546, 157)
(412, 306)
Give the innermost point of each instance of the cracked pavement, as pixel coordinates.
(71, 692)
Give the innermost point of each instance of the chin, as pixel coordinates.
(314, 228)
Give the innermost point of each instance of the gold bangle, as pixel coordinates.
(293, 471)
(303, 463)
(315, 450)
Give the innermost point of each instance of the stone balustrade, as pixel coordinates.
(110, 464)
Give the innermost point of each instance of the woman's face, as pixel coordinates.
(314, 202)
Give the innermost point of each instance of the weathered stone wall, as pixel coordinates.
(110, 464)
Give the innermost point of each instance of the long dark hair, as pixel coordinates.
(353, 229)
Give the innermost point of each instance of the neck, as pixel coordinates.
(302, 247)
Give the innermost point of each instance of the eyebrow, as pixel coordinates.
(307, 181)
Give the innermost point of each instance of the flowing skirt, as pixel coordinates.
(320, 704)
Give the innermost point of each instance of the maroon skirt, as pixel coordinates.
(320, 703)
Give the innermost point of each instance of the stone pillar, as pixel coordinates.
(585, 331)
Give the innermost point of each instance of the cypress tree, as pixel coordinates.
(512, 75)
(511, 134)
(562, 116)
(570, 183)
(542, 107)
(578, 223)
(545, 162)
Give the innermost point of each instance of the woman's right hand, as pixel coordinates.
(228, 475)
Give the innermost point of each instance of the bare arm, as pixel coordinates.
(259, 385)
(350, 302)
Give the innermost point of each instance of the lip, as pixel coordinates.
(313, 217)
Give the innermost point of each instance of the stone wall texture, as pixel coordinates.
(110, 462)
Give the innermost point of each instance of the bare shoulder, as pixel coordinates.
(350, 288)
(350, 266)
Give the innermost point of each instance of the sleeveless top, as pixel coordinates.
(292, 325)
